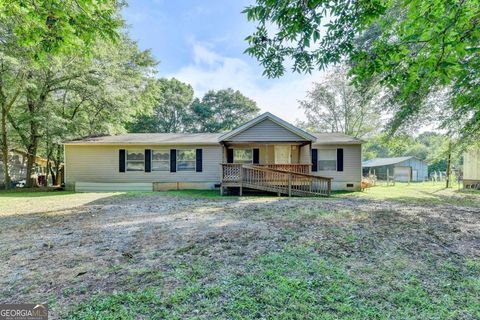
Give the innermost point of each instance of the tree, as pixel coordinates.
(172, 99)
(76, 96)
(13, 59)
(33, 33)
(52, 27)
(11, 85)
(175, 110)
(336, 106)
(414, 48)
(221, 110)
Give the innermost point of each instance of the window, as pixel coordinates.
(186, 160)
(160, 160)
(243, 155)
(135, 160)
(327, 160)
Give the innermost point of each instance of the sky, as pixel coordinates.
(201, 42)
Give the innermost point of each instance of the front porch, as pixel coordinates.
(271, 155)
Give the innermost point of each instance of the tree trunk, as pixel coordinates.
(31, 149)
(33, 106)
(31, 152)
(6, 173)
(449, 166)
(58, 161)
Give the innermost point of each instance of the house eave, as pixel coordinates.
(144, 143)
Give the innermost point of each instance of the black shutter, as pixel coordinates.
(148, 160)
(229, 155)
(256, 156)
(314, 160)
(339, 159)
(199, 160)
(173, 160)
(121, 160)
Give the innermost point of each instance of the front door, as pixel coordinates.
(283, 154)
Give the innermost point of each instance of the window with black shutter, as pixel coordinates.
(199, 160)
(339, 159)
(121, 160)
(314, 160)
(173, 160)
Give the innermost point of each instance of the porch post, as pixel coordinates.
(289, 184)
(266, 153)
(310, 157)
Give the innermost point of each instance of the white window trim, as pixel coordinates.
(194, 161)
(242, 149)
(152, 161)
(318, 160)
(138, 161)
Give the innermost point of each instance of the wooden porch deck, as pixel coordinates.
(287, 179)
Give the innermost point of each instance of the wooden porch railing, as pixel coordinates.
(231, 172)
(275, 180)
(292, 167)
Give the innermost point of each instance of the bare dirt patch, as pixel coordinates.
(117, 243)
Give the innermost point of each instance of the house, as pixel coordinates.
(266, 153)
(471, 168)
(402, 168)
(17, 161)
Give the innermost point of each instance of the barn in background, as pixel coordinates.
(402, 168)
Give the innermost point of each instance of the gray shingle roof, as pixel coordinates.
(335, 138)
(195, 138)
(153, 138)
(378, 162)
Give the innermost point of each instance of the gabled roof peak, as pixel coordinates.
(267, 115)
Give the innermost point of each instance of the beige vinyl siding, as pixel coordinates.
(352, 163)
(471, 164)
(100, 163)
(266, 130)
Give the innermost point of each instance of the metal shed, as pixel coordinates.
(402, 168)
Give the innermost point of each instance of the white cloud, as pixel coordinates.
(210, 70)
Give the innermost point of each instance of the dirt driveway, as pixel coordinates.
(122, 242)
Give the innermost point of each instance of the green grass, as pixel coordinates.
(299, 283)
(33, 194)
(325, 263)
(40, 202)
(421, 193)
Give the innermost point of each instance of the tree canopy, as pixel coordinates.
(171, 102)
(62, 77)
(336, 106)
(175, 110)
(412, 48)
(221, 110)
(49, 27)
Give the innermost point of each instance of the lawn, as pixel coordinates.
(403, 252)
(427, 193)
